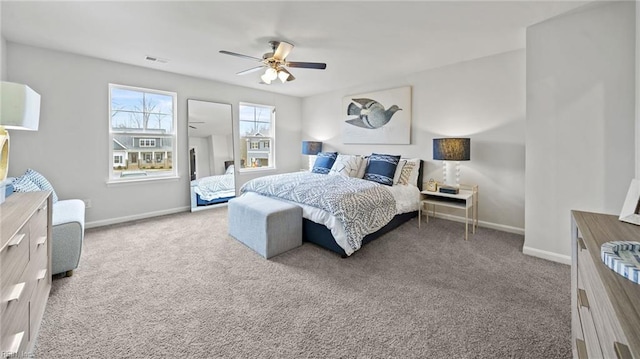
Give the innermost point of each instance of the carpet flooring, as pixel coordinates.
(178, 286)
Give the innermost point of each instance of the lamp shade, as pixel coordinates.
(20, 107)
(311, 147)
(452, 149)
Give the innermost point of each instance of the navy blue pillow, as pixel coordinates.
(381, 168)
(324, 162)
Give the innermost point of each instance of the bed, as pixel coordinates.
(211, 190)
(335, 232)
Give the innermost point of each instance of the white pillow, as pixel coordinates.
(396, 176)
(363, 167)
(346, 165)
(413, 178)
(229, 170)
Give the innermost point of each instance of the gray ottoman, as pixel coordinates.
(266, 225)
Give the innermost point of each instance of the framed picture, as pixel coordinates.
(382, 117)
(631, 209)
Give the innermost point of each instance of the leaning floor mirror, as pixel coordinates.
(210, 154)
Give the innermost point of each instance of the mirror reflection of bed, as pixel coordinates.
(211, 163)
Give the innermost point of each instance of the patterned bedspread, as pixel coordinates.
(214, 186)
(361, 206)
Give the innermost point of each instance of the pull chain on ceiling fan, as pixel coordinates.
(275, 62)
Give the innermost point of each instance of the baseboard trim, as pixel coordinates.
(106, 222)
(550, 256)
(496, 226)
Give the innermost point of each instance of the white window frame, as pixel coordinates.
(173, 173)
(118, 159)
(272, 148)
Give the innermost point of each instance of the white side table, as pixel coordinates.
(467, 199)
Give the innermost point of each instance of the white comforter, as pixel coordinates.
(407, 199)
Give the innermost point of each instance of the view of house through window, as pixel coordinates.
(257, 136)
(142, 133)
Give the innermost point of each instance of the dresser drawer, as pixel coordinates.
(38, 302)
(38, 228)
(14, 316)
(14, 258)
(590, 335)
(607, 326)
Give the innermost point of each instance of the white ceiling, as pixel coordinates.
(361, 42)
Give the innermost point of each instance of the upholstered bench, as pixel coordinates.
(266, 225)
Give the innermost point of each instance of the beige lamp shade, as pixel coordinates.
(20, 107)
(4, 153)
(19, 110)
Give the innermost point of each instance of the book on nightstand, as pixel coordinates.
(448, 189)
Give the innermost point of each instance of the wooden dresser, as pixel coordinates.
(605, 306)
(25, 270)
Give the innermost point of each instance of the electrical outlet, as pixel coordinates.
(87, 203)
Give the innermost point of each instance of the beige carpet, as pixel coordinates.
(178, 286)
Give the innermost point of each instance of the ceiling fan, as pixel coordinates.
(276, 63)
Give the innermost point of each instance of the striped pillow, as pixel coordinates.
(41, 182)
(23, 184)
(381, 168)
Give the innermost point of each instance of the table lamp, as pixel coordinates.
(311, 148)
(451, 149)
(19, 110)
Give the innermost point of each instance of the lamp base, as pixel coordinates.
(4, 153)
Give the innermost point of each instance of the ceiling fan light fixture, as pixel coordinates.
(266, 79)
(283, 76)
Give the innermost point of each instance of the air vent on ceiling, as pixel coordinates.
(156, 59)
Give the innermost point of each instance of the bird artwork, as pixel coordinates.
(371, 113)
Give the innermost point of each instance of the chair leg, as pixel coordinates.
(69, 273)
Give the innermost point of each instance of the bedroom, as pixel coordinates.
(484, 97)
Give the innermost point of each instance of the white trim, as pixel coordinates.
(550, 256)
(106, 222)
(496, 226)
(141, 179)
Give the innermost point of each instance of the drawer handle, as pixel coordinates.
(41, 240)
(581, 244)
(622, 351)
(14, 346)
(16, 292)
(582, 299)
(582, 349)
(41, 274)
(43, 208)
(17, 240)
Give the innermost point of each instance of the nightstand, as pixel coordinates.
(466, 199)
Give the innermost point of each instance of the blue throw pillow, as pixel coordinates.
(41, 182)
(324, 162)
(381, 168)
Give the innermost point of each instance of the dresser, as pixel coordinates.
(25, 270)
(605, 306)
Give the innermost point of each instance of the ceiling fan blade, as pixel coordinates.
(307, 65)
(282, 51)
(254, 69)
(240, 55)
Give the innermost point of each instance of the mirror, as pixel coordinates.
(211, 157)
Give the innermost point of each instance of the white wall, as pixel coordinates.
(580, 121)
(71, 147)
(483, 99)
(3, 58)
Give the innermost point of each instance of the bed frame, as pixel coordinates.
(321, 235)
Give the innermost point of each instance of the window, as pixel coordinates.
(147, 142)
(257, 136)
(142, 128)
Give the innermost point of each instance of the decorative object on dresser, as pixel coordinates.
(605, 307)
(382, 117)
(631, 209)
(25, 278)
(311, 148)
(451, 149)
(19, 110)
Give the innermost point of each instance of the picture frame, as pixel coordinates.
(382, 117)
(631, 209)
